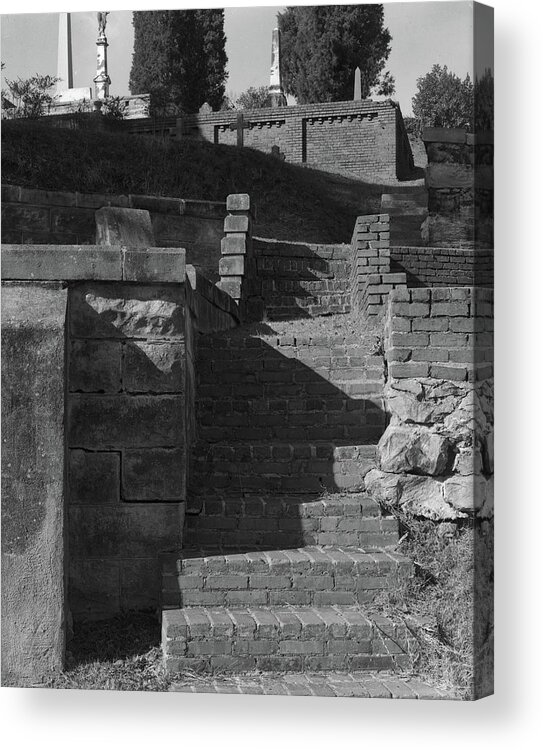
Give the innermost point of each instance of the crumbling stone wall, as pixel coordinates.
(436, 456)
(460, 183)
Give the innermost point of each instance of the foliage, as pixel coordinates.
(114, 108)
(444, 100)
(179, 58)
(253, 98)
(31, 97)
(483, 93)
(386, 85)
(321, 46)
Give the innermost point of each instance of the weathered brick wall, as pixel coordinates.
(444, 266)
(50, 217)
(460, 182)
(362, 138)
(296, 279)
(371, 276)
(440, 333)
(436, 457)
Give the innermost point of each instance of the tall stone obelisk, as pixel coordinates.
(101, 79)
(275, 89)
(64, 60)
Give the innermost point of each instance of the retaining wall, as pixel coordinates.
(43, 217)
(129, 401)
(362, 138)
(444, 266)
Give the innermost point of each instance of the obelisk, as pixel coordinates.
(275, 89)
(64, 60)
(101, 79)
(357, 85)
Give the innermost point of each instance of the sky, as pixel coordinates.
(423, 34)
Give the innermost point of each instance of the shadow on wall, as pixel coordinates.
(280, 426)
(126, 443)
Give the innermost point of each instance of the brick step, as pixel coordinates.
(271, 522)
(282, 468)
(283, 639)
(240, 359)
(247, 338)
(290, 433)
(303, 308)
(325, 409)
(309, 576)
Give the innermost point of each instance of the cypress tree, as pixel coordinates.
(321, 46)
(179, 57)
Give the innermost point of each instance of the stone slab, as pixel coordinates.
(124, 226)
(33, 494)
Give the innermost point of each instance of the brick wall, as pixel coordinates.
(297, 279)
(129, 392)
(362, 138)
(444, 266)
(40, 217)
(371, 275)
(440, 333)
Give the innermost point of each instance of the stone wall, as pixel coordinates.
(444, 266)
(128, 399)
(33, 491)
(460, 183)
(436, 456)
(43, 217)
(362, 138)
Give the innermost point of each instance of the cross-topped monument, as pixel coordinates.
(239, 126)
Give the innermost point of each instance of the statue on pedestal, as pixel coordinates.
(102, 21)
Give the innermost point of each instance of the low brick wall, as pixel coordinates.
(43, 217)
(129, 400)
(444, 266)
(362, 138)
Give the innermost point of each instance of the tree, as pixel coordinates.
(321, 46)
(179, 57)
(28, 97)
(253, 98)
(444, 100)
(483, 94)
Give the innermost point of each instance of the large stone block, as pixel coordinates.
(416, 495)
(93, 588)
(415, 451)
(466, 494)
(125, 531)
(149, 366)
(94, 478)
(127, 311)
(158, 475)
(95, 366)
(33, 597)
(110, 422)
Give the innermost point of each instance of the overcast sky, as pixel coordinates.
(423, 34)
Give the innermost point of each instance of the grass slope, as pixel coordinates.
(292, 202)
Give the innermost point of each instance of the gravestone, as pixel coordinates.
(275, 89)
(239, 126)
(124, 226)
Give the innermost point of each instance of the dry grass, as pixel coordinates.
(448, 604)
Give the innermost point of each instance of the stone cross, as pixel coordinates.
(275, 89)
(239, 126)
(64, 61)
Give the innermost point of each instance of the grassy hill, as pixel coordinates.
(292, 202)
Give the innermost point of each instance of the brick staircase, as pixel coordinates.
(283, 550)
